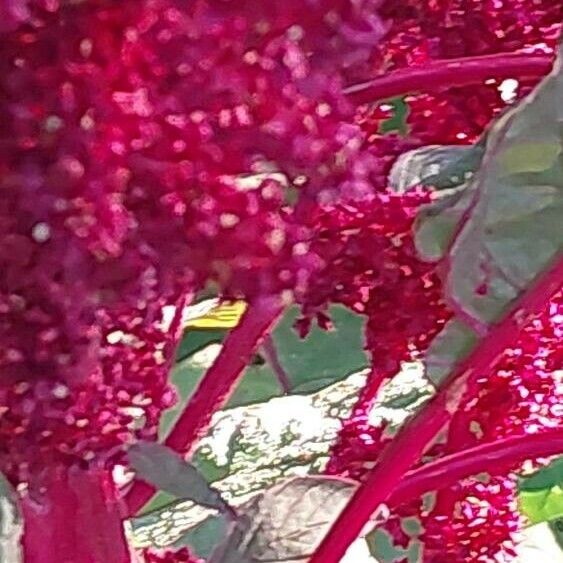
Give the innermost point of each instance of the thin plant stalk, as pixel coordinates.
(449, 73)
(216, 386)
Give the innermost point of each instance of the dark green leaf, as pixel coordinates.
(165, 469)
(513, 228)
(310, 364)
(159, 501)
(544, 478)
(398, 122)
(382, 547)
(197, 339)
(506, 226)
(437, 166)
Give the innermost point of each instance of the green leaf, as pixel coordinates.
(184, 377)
(197, 339)
(398, 122)
(543, 505)
(382, 547)
(541, 494)
(433, 236)
(453, 343)
(323, 357)
(544, 478)
(310, 364)
(436, 166)
(513, 228)
(500, 231)
(162, 467)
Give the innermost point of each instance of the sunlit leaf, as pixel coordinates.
(543, 505)
(541, 494)
(286, 522)
(212, 314)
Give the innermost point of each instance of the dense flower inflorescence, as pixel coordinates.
(522, 395)
(48, 421)
(477, 519)
(371, 266)
(149, 147)
(123, 149)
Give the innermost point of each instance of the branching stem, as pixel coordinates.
(448, 73)
(492, 457)
(216, 386)
(419, 432)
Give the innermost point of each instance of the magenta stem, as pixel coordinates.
(216, 386)
(491, 458)
(418, 433)
(74, 516)
(449, 73)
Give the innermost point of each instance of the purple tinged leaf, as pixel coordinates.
(165, 469)
(286, 522)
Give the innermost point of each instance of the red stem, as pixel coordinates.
(448, 73)
(271, 353)
(376, 378)
(491, 457)
(216, 386)
(418, 433)
(74, 517)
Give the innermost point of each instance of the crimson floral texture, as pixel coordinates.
(446, 29)
(477, 520)
(474, 521)
(371, 267)
(126, 128)
(526, 384)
